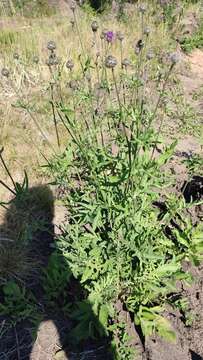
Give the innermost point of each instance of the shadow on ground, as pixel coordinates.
(26, 249)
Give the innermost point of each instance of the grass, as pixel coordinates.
(18, 130)
(26, 8)
(195, 41)
(100, 126)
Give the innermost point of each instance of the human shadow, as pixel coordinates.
(30, 259)
(195, 356)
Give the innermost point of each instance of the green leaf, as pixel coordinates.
(168, 152)
(12, 289)
(87, 274)
(103, 316)
(169, 335)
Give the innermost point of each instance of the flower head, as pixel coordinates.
(109, 35)
(70, 64)
(72, 21)
(142, 8)
(150, 55)
(120, 36)
(5, 72)
(51, 45)
(73, 6)
(52, 60)
(110, 62)
(174, 58)
(147, 30)
(138, 47)
(126, 62)
(94, 26)
(16, 56)
(73, 85)
(35, 59)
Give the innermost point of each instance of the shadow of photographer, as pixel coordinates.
(29, 260)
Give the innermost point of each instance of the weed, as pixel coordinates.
(194, 41)
(194, 164)
(27, 8)
(18, 304)
(55, 280)
(115, 244)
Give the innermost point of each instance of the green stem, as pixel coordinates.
(54, 114)
(7, 187)
(6, 168)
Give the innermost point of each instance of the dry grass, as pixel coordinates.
(24, 144)
(22, 141)
(28, 37)
(22, 221)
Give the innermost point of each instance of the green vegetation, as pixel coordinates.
(120, 253)
(27, 8)
(194, 41)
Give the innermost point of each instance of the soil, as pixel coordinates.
(189, 342)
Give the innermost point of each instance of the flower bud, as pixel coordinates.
(142, 8)
(120, 36)
(36, 59)
(73, 85)
(126, 62)
(174, 58)
(73, 6)
(110, 62)
(72, 21)
(109, 36)
(5, 72)
(150, 55)
(70, 64)
(94, 26)
(147, 30)
(16, 56)
(51, 45)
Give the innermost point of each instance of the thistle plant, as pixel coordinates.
(115, 241)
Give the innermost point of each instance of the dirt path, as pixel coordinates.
(193, 80)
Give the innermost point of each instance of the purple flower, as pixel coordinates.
(109, 36)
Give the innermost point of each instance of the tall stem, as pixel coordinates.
(6, 168)
(54, 114)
